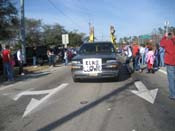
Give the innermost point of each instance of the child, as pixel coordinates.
(150, 60)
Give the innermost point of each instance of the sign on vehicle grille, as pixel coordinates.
(92, 65)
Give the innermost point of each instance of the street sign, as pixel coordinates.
(145, 37)
(65, 39)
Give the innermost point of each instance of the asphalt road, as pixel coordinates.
(51, 101)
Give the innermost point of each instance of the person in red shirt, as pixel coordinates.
(1, 63)
(6, 62)
(168, 43)
(136, 56)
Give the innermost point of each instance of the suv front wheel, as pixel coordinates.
(75, 79)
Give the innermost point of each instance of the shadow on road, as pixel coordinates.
(84, 109)
(26, 77)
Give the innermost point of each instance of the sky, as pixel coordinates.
(129, 17)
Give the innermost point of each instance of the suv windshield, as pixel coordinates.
(97, 48)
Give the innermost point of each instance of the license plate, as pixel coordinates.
(93, 74)
(92, 66)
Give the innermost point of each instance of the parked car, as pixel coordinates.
(1, 62)
(1, 65)
(95, 60)
(41, 55)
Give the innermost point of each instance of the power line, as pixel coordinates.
(60, 11)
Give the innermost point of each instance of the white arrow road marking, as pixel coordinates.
(13, 95)
(144, 93)
(25, 93)
(34, 103)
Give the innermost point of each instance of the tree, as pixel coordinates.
(126, 39)
(135, 39)
(75, 38)
(120, 40)
(8, 20)
(171, 28)
(85, 39)
(52, 35)
(161, 31)
(33, 31)
(36, 33)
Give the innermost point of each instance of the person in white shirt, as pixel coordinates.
(128, 53)
(142, 53)
(20, 61)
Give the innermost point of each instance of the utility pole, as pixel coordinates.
(22, 31)
(166, 26)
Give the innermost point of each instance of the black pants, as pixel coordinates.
(128, 60)
(20, 67)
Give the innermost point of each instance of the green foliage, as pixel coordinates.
(52, 35)
(75, 38)
(33, 31)
(36, 32)
(172, 29)
(8, 20)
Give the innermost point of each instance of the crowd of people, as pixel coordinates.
(8, 62)
(154, 56)
(65, 55)
(141, 55)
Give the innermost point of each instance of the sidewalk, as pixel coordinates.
(30, 71)
(163, 70)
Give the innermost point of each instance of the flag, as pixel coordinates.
(91, 36)
(112, 32)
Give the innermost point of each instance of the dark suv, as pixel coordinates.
(95, 60)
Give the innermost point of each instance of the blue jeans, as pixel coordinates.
(171, 79)
(136, 63)
(34, 60)
(143, 59)
(66, 61)
(128, 60)
(50, 60)
(53, 60)
(162, 60)
(156, 61)
(8, 70)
